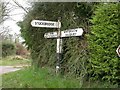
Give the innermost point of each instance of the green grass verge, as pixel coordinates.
(10, 61)
(46, 78)
(37, 78)
(99, 84)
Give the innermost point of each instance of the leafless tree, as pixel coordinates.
(5, 13)
(20, 6)
(4, 33)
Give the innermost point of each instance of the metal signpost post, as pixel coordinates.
(52, 24)
(59, 50)
(59, 35)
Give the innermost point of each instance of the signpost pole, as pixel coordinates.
(59, 49)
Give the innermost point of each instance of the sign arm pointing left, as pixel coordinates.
(46, 24)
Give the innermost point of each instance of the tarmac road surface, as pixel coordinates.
(7, 69)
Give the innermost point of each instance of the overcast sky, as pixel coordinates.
(16, 15)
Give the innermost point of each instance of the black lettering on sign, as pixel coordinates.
(44, 23)
(35, 23)
(65, 31)
(74, 33)
(39, 23)
(51, 32)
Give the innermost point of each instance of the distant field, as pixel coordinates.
(14, 61)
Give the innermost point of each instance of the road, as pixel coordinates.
(7, 69)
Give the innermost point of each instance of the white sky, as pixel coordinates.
(11, 22)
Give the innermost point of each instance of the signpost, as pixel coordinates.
(59, 35)
(65, 33)
(118, 50)
(58, 49)
(47, 24)
(72, 32)
(50, 35)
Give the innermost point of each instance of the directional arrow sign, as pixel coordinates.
(66, 33)
(72, 32)
(47, 24)
(118, 50)
(50, 35)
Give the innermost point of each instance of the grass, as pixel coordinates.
(37, 78)
(42, 78)
(13, 61)
(46, 78)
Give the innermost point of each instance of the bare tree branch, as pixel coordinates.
(20, 6)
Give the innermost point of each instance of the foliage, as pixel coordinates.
(98, 84)
(21, 50)
(45, 78)
(103, 42)
(99, 62)
(43, 51)
(37, 78)
(8, 48)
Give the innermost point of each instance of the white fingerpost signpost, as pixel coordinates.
(46, 24)
(59, 35)
(59, 49)
(52, 24)
(66, 33)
